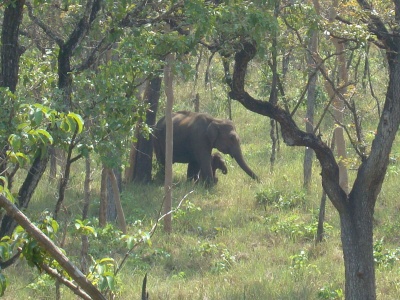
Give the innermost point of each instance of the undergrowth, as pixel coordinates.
(239, 240)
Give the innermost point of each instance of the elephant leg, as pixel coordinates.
(193, 171)
(206, 172)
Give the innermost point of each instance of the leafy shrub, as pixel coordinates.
(222, 258)
(330, 293)
(300, 265)
(278, 199)
(295, 229)
(384, 257)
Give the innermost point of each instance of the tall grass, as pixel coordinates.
(227, 242)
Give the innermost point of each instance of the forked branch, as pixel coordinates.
(291, 133)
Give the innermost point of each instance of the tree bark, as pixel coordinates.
(87, 191)
(51, 249)
(273, 96)
(168, 79)
(356, 208)
(117, 200)
(338, 104)
(309, 153)
(10, 49)
(10, 52)
(103, 198)
(26, 191)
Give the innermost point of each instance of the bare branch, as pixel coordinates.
(291, 134)
(152, 230)
(54, 36)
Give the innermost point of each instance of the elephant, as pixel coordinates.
(194, 137)
(217, 162)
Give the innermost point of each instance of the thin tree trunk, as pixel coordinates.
(273, 97)
(26, 191)
(132, 157)
(117, 200)
(322, 205)
(321, 219)
(309, 153)
(65, 177)
(111, 209)
(53, 164)
(168, 79)
(338, 105)
(103, 198)
(85, 211)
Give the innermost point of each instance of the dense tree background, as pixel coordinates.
(71, 74)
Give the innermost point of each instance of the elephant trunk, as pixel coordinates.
(241, 162)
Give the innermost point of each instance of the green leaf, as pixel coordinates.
(37, 117)
(106, 260)
(111, 282)
(78, 119)
(103, 284)
(15, 141)
(46, 134)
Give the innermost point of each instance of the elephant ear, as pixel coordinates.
(212, 133)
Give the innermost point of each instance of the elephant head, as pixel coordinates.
(223, 136)
(218, 162)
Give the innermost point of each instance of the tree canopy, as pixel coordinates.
(71, 73)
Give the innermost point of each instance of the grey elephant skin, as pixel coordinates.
(217, 162)
(195, 135)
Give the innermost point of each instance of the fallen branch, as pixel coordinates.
(51, 249)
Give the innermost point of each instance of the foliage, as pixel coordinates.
(105, 101)
(293, 228)
(330, 293)
(301, 265)
(223, 260)
(385, 258)
(28, 127)
(278, 199)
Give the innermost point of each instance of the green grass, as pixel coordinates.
(226, 242)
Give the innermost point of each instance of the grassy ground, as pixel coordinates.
(239, 240)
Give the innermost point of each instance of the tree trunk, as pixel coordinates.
(168, 79)
(85, 240)
(357, 244)
(273, 97)
(338, 104)
(103, 198)
(10, 54)
(309, 153)
(26, 191)
(111, 209)
(144, 153)
(356, 208)
(117, 200)
(132, 157)
(10, 49)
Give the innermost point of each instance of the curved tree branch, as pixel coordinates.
(291, 134)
